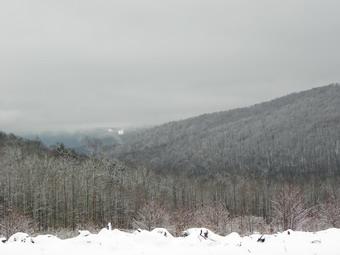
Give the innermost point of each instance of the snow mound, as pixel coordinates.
(20, 238)
(84, 233)
(42, 239)
(233, 239)
(162, 231)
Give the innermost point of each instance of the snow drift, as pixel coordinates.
(159, 241)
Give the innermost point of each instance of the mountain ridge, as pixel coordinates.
(245, 138)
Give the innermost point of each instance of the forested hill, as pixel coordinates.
(297, 132)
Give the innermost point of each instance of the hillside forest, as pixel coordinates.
(270, 167)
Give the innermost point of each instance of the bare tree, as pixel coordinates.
(289, 208)
(151, 216)
(182, 219)
(14, 221)
(330, 212)
(214, 216)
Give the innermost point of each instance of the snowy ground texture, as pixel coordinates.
(159, 241)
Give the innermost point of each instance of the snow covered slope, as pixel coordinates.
(196, 241)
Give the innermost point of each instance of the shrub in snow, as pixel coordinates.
(185, 233)
(138, 231)
(316, 241)
(3, 239)
(194, 231)
(201, 234)
(162, 231)
(261, 239)
(288, 232)
(204, 234)
(21, 238)
(84, 233)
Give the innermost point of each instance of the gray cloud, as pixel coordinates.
(75, 64)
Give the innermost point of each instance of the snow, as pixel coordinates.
(20, 238)
(162, 231)
(84, 233)
(159, 241)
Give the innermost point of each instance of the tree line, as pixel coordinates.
(45, 189)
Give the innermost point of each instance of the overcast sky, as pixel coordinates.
(67, 64)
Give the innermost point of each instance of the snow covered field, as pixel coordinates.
(161, 242)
